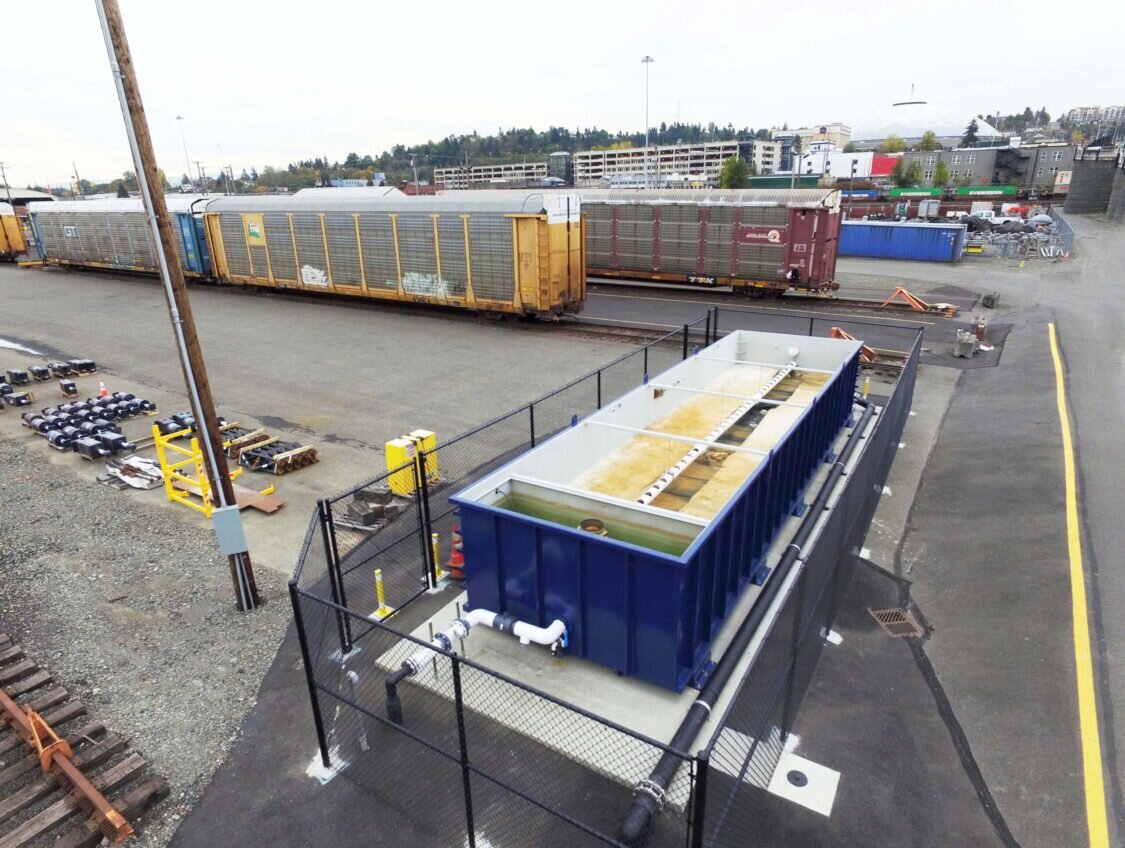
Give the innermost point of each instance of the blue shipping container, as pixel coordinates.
(920, 242)
(647, 596)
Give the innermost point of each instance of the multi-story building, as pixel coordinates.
(824, 136)
(558, 166)
(482, 176)
(1095, 114)
(690, 164)
(1036, 167)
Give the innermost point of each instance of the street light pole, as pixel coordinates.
(77, 179)
(646, 61)
(415, 167)
(225, 517)
(183, 138)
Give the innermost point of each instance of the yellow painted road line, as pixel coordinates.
(1087, 700)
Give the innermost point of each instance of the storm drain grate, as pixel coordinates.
(896, 622)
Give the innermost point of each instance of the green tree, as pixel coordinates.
(941, 174)
(850, 147)
(898, 173)
(892, 144)
(929, 141)
(735, 173)
(970, 136)
(762, 135)
(121, 190)
(914, 176)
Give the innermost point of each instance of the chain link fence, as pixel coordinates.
(747, 744)
(504, 762)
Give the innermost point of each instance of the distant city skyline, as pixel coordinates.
(270, 90)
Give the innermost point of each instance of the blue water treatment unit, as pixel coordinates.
(912, 240)
(641, 525)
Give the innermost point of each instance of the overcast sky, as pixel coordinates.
(278, 80)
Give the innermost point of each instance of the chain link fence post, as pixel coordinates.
(314, 701)
(335, 578)
(462, 740)
(421, 486)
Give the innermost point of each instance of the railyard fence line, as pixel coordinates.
(560, 775)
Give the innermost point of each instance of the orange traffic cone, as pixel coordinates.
(102, 390)
(456, 565)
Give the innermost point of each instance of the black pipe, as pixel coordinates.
(649, 794)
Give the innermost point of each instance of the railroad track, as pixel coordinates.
(55, 806)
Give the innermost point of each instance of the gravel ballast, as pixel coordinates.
(129, 605)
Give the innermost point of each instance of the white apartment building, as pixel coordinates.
(836, 134)
(1093, 114)
(484, 175)
(692, 163)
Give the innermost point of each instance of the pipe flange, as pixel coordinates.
(653, 790)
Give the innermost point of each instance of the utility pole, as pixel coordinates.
(183, 138)
(225, 517)
(415, 167)
(646, 61)
(8, 188)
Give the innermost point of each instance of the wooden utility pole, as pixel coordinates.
(225, 518)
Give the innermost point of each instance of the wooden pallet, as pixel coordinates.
(34, 809)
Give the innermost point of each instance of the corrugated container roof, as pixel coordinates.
(175, 203)
(933, 225)
(810, 198)
(504, 202)
(802, 198)
(350, 191)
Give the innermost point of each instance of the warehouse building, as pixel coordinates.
(695, 164)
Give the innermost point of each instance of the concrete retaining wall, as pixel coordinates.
(1090, 186)
(1116, 210)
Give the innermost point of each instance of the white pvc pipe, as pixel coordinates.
(526, 633)
(549, 636)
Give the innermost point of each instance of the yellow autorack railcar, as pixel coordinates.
(11, 236)
(504, 252)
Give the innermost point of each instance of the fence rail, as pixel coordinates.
(1065, 231)
(505, 762)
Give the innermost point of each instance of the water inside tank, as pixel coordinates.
(615, 528)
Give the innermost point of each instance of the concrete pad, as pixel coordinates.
(344, 377)
(818, 794)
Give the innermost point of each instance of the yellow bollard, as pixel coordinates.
(382, 611)
(439, 572)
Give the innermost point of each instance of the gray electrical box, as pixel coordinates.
(228, 530)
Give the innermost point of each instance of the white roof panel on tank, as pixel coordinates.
(6, 209)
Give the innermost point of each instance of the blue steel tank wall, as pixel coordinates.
(638, 611)
(1091, 184)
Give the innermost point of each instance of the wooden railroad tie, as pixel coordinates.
(79, 776)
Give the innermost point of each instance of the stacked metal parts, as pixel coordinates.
(89, 427)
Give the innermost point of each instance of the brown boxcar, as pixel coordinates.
(753, 240)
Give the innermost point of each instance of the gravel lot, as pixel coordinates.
(172, 665)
